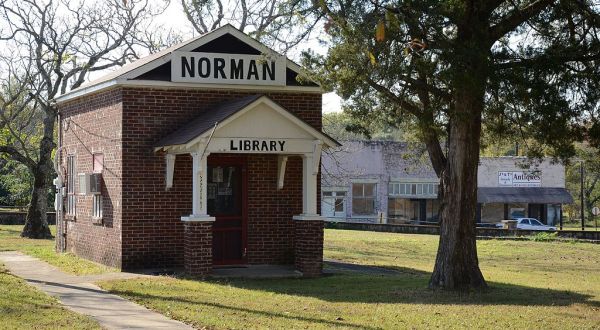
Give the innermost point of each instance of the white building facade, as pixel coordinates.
(394, 182)
(511, 187)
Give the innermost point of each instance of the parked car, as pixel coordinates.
(532, 224)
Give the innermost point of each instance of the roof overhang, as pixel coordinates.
(255, 119)
(532, 195)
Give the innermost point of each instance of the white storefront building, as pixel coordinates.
(510, 187)
(393, 182)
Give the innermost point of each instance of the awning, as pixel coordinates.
(533, 195)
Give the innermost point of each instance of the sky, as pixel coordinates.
(173, 17)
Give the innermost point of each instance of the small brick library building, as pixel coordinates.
(203, 155)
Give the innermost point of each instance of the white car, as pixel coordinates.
(532, 224)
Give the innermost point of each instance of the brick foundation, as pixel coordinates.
(309, 247)
(197, 246)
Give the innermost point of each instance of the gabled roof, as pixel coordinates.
(139, 72)
(206, 121)
(220, 114)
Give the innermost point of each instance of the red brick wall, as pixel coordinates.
(270, 211)
(309, 247)
(152, 229)
(93, 125)
(198, 251)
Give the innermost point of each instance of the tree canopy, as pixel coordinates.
(526, 68)
(48, 48)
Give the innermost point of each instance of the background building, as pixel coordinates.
(394, 182)
(510, 187)
(375, 181)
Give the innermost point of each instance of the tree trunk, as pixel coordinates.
(36, 223)
(456, 265)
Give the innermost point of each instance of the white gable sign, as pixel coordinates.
(235, 69)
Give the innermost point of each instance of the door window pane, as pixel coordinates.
(224, 191)
(339, 205)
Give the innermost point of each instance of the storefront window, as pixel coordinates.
(401, 210)
(426, 190)
(363, 198)
(553, 214)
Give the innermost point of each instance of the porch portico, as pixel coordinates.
(218, 142)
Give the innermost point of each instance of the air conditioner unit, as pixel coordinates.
(90, 183)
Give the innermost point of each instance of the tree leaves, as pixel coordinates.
(380, 31)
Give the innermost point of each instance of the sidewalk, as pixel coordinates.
(78, 294)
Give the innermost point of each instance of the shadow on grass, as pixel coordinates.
(347, 288)
(137, 296)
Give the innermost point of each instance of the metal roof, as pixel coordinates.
(535, 195)
(206, 121)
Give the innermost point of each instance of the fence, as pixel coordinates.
(18, 218)
(435, 230)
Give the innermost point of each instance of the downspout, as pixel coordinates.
(61, 231)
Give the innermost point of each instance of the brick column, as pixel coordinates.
(308, 243)
(197, 247)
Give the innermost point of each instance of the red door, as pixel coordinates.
(226, 196)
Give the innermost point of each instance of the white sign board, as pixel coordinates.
(596, 210)
(228, 69)
(260, 145)
(520, 179)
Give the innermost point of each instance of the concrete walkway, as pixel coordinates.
(78, 294)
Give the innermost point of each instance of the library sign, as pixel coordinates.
(520, 179)
(236, 69)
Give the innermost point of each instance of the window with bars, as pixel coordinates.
(413, 189)
(363, 199)
(71, 197)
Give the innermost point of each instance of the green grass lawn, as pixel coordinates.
(24, 307)
(553, 285)
(43, 249)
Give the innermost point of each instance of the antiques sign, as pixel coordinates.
(520, 179)
(237, 69)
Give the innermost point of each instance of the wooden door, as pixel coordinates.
(226, 196)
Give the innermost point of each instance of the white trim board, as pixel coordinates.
(171, 85)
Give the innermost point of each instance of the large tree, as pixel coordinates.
(47, 48)
(279, 24)
(528, 68)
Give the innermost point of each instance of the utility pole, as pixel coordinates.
(581, 196)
